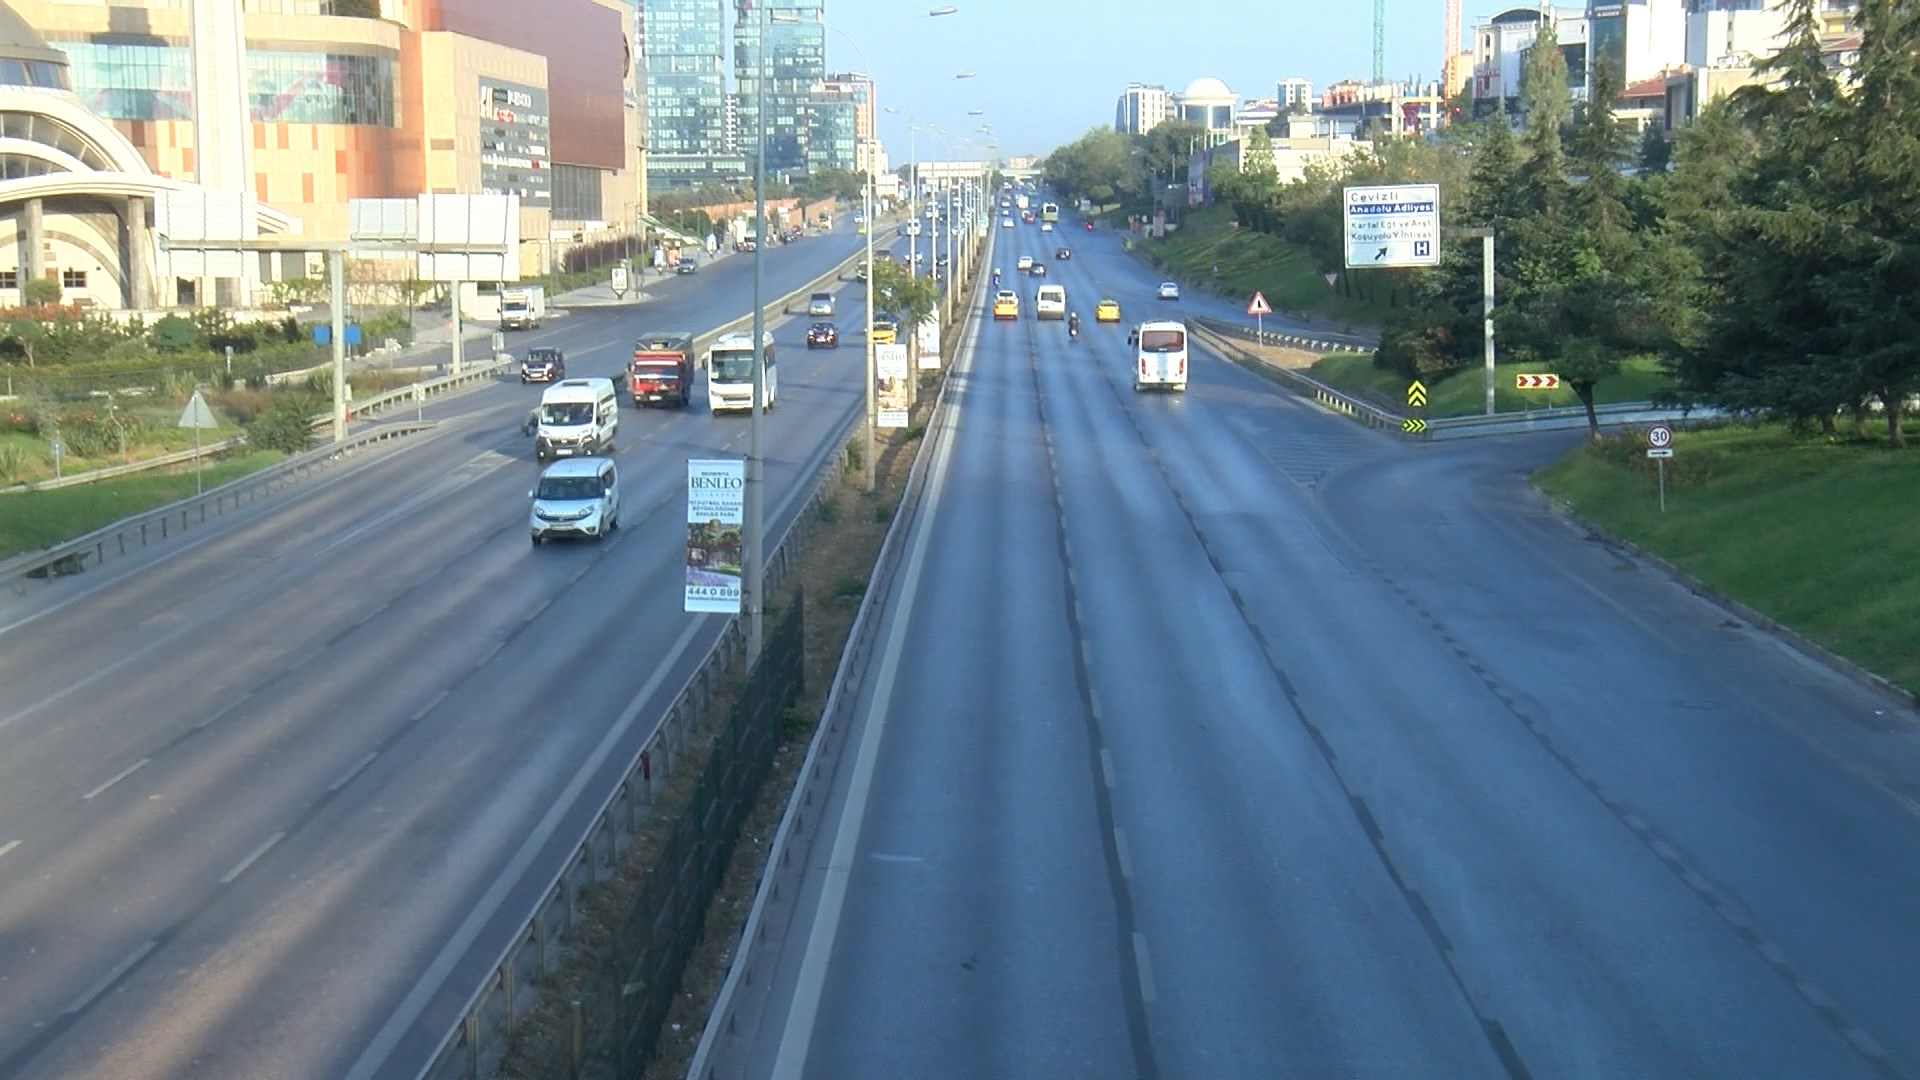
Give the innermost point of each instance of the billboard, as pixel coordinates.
(894, 385)
(716, 513)
(926, 342)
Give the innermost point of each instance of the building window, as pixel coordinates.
(73, 279)
(138, 81)
(9, 279)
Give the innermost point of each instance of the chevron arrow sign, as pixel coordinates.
(1536, 382)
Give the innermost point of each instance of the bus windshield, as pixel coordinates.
(1162, 341)
(732, 367)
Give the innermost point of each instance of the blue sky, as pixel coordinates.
(1047, 70)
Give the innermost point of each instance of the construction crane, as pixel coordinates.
(1379, 42)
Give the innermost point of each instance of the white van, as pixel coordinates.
(576, 497)
(1050, 302)
(577, 417)
(1160, 350)
(730, 373)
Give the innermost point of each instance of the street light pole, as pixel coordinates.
(754, 572)
(867, 458)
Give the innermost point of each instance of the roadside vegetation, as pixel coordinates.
(1800, 529)
(1639, 379)
(31, 520)
(1250, 260)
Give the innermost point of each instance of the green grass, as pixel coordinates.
(36, 519)
(1464, 394)
(1249, 261)
(1819, 535)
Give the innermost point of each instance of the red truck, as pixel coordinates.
(661, 372)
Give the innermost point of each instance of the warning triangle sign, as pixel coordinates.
(1258, 305)
(197, 415)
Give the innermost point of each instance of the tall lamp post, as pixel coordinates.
(754, 572)
(867, 195)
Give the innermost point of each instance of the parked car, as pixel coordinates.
(543, 365)
(687, 265)
(823, 335)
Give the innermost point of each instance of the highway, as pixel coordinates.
(1217, 736)
(272, 799)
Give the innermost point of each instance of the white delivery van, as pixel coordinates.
(1050, 302)
(523, 308)
(1160, 355)
(579, 497)
(578, 417)
(730, 373)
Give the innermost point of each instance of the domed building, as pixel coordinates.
(1208, 102)
(78, 202)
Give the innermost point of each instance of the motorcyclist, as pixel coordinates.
(996, 277)
(1073, 324)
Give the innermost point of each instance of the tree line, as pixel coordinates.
(1768, 255)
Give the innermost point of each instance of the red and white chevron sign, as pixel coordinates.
(1536, 382)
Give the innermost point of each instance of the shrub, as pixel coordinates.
(286, 427)
(173, 334)
(13, 461)
(37, 291)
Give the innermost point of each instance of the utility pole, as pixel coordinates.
(753, 573)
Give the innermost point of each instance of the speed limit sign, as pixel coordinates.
(1659, 436)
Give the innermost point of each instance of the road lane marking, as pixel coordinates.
(253, 857)
(122, 775)
(491, 653)
(8, 846)
(1106, 768)
(1120, 849)
(111, 977)
(434, 976)
(366, 760)
(796, 1038)
(423, 710)
(1145, 964)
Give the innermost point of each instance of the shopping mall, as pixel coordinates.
(102, 106)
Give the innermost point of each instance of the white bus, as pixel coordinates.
(1161, 355)
(730, 373)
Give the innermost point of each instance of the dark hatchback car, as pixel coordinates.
(687, 265)
(1063, 254)
(823, 335)
(543, 365)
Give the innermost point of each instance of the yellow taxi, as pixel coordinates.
(1107, 310)
(1006, 304)
(884, 331)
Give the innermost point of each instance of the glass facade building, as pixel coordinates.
(685, 49)
(795, 61)
(832, 134)
(144, 81)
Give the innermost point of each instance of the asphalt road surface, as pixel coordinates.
(272, 799)
(1217, 736)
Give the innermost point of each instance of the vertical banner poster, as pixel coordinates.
(716, 510)
(926, 340)
(893, 385)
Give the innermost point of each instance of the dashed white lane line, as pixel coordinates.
(430, 706)
(1106, 767)
(347, 777)
(80, 1003)
(123, 774)
(1145, 963)
(252, 857)
(8, 846)
(1120, 849)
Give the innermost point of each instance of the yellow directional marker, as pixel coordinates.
(1413, 425)
(1417, 394)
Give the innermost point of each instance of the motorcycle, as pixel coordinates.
(1073, 327)
(1089, 225)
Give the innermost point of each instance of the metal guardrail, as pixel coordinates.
(418, 393)
(1224, 328)
(134, 533)
(177, 457)
(786, 861)
(490, 1014)
(1346, 404)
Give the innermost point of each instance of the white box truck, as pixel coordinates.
(523, 307)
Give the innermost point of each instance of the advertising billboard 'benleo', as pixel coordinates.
(716, 509)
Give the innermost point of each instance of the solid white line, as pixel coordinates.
(110, 978)
(8, 846)
(124, 773)
(435, 975)
(254, 857)
(347, 777)
(797, 1036)
(1145, 966)
(1120, 848)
